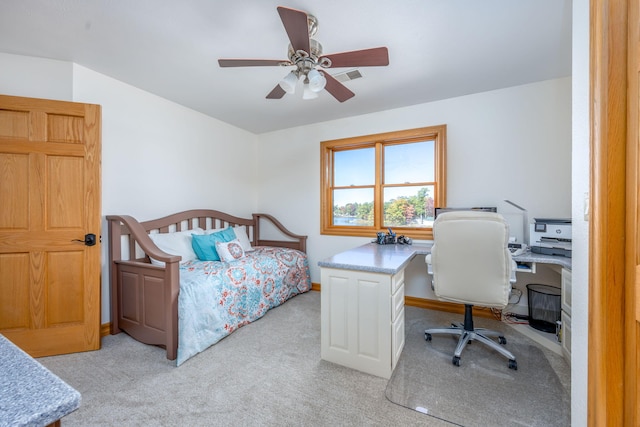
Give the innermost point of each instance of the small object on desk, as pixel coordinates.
(386, 239)
(31, 394)
(517, 248)
(404, 240)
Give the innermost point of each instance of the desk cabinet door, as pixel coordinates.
(356, 325)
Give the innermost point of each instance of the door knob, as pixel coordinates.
(89, 239)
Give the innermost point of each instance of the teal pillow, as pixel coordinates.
(205, 245)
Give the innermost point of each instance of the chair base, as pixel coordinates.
(468, 333)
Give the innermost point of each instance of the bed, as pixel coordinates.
(184, 304)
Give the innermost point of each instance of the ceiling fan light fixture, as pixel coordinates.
(288, 83)
(309, 93)
(317, 80)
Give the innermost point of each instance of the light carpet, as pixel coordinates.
(268, 373)
(482, 391)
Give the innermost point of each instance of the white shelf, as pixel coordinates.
(546, 339)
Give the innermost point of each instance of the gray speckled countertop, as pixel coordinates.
(31, 395)
(374, 258)
(390, 259)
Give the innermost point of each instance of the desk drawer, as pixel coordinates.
(566, 336)
(397, 339)
(566, 291)
(397, 303)
(397, 281)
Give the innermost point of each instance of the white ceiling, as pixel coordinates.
(438, 49)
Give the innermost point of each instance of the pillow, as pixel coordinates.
(205, 245)
(176, 243)
(241, 235)
(230, 251)
(214, 230)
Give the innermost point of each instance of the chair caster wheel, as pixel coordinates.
(502, 340)
(427, 336)
(456, 361)
(513, 364)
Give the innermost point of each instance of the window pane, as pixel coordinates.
(407, 163)
(353, 207)
(354, 167)
(410, 206)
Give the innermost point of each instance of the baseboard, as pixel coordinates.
(449, 307)
(430, 304)
(105, 329)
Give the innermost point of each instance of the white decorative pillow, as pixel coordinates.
(241, 235)
(176, 243)
(229, 251)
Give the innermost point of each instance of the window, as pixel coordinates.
(373, 182)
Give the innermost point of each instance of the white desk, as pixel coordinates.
(362, 297)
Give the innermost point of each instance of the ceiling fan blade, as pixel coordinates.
(376, 56)
(251, 62)
(295, 23)
(276, 93)
(337, 89)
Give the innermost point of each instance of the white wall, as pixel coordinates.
(580, 229)
(159, 157)
(511, 143)
(35, 77)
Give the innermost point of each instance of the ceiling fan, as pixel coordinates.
(305, 54)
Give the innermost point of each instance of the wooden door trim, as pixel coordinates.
(608, 118)
(632, 258)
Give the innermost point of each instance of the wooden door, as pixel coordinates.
(632, 258)
(49, 200)
(614, 282)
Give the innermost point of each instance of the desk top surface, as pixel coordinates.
(31, 395)
(374, 258)
(390, 259)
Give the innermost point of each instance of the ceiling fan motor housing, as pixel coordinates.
(305, 61)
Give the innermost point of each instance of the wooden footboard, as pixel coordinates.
(144, 297)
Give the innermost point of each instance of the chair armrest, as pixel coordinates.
(514, 267)
(427, 259)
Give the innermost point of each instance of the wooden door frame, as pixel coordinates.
(612, 371)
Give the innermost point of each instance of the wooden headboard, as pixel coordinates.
(137, 232)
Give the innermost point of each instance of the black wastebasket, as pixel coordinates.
(544, 307)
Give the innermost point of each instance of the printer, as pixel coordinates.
(551, 236)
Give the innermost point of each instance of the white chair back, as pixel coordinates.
(470, 258)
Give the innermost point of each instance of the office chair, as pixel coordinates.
(471, 264)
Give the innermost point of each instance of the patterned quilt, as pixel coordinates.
(216, 298)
